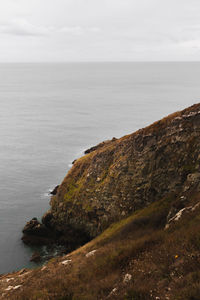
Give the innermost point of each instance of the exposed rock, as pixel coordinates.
(171, 213)
(66, 262)
(34, 227)
(180, 213)
(8, 279)
(10, 287)
(17, 287)
(127, 278)
(35, 233)
(54, 192)
(176, 207)
(112, 293)
(23, 271)
(120, 176)
(91, 253)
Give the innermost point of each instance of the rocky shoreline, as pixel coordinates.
(39, 234)
(119, 176)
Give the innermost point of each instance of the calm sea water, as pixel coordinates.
(50, 113)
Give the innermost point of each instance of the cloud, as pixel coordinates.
(191, 44)
(21, 27)
(78, 30)
(75, 30)
(99, 30)
(187, 37)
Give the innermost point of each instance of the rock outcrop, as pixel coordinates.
(181, 213)
(35, 233)
(122, 175)
(54, 191)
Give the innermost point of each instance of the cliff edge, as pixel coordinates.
(123, 175)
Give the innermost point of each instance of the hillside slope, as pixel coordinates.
(152, 254)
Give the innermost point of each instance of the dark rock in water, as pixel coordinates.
(35, 227)
(36, 257)
(35, 233)
(54, 192)
(39, 234)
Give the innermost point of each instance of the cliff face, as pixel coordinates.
(126, 174)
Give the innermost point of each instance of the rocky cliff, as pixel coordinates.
(122, 175)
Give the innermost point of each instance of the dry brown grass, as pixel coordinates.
(162, 263)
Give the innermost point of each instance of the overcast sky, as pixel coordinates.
(99, 30)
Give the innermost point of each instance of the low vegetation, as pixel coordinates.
(160, 263)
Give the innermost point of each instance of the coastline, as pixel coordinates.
(72, 226)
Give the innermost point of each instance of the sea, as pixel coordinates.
(51, 112)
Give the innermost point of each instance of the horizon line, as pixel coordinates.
(98, 61)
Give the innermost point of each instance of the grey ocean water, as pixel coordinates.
(49, 113)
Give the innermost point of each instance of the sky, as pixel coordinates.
(99, 30)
